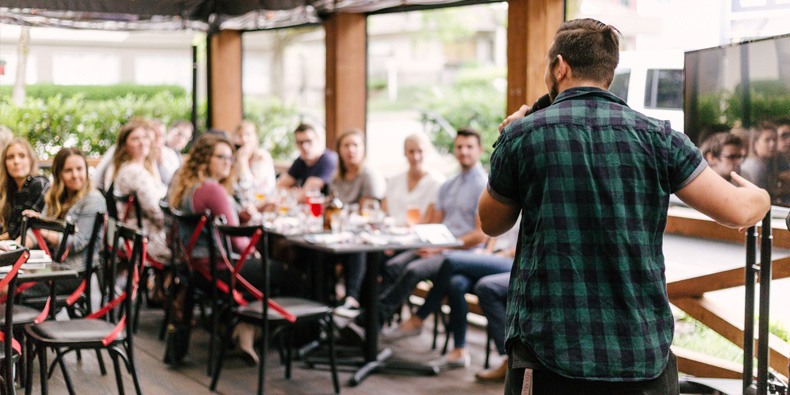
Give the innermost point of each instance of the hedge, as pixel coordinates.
(94, 92)
(92, 125)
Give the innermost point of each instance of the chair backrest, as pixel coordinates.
(35, 224)
(99, 223)
(191, 228)
(121, 235)
(131, 205)
(256, 236)
(15, 259)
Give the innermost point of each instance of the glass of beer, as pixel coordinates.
(412, 215)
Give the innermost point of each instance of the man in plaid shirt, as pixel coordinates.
(587, 304)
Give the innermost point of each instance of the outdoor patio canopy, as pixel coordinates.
(531, 27)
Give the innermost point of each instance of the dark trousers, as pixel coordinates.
(547, 382)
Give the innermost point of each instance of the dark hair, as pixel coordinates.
(303, 127)
(468, 131)
(341, 166)
(715, 143)
(590, 47)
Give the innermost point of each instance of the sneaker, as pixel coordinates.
(496, 374)
(396, 333)
(444, 363)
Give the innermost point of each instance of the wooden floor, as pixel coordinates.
(237, 378)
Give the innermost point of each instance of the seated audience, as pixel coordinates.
(355, 183)
(178, 136)
(763, 166)
(456, 207)
(314, 167)
(21, 186)
(133, 171)
(73, 198)
(166, 159)
(724, 153)
(460, 271)
(206, 182)
(491, 294)
(254, 165)
(415, 189)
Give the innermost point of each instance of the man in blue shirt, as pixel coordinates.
(314, 167)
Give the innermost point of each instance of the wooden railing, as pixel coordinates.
(692, 295)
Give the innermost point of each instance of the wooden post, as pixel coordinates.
(530, 32)
(346, 74)
(225, 93)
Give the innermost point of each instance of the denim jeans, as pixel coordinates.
(401, 275)
(491, 294)
(459, 272)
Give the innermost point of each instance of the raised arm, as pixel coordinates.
(730, 205)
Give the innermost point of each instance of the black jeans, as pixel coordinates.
(547, 382)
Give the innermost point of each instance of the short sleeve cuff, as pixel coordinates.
(500, 198)
(700, 168)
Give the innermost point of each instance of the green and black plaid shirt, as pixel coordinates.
(593, 179)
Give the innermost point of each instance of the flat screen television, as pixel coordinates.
(744, 89)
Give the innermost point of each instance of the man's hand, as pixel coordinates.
(521, 113)
(744, 183)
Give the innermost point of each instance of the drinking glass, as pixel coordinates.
(412, 215)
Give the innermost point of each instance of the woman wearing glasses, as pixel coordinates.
(206, 182)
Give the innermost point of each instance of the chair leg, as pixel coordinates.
(42, 362)
(66, 376)
(29, 362)
(435, 328)
(100, 360)
(289, 353)
(332, 355)
(218, 364)
(132, 367)
(117, 368)
(488, 347)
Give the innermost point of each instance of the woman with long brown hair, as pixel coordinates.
(206, 182)
(133, 171)
(21, 187)
(71, 197)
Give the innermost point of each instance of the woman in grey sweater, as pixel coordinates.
(73, 198)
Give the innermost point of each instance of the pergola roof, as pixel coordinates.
(201, 15)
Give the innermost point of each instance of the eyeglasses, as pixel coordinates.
(303, 142)
(226, 158)
(733, 157)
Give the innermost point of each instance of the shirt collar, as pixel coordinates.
(588, 91)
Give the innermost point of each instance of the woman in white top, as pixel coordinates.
(254, 165)
(417, 188)
(134, 171)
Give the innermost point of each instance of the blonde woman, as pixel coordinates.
(71, 197)
(254, 165)
(21, 187)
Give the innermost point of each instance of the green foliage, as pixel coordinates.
(95, 92)
(471, 101)
(769, 100)
(57, 121)
(693, 335)
(275, 123)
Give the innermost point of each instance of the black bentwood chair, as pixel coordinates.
(287, 314)
(11, 350)
(101, 329)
